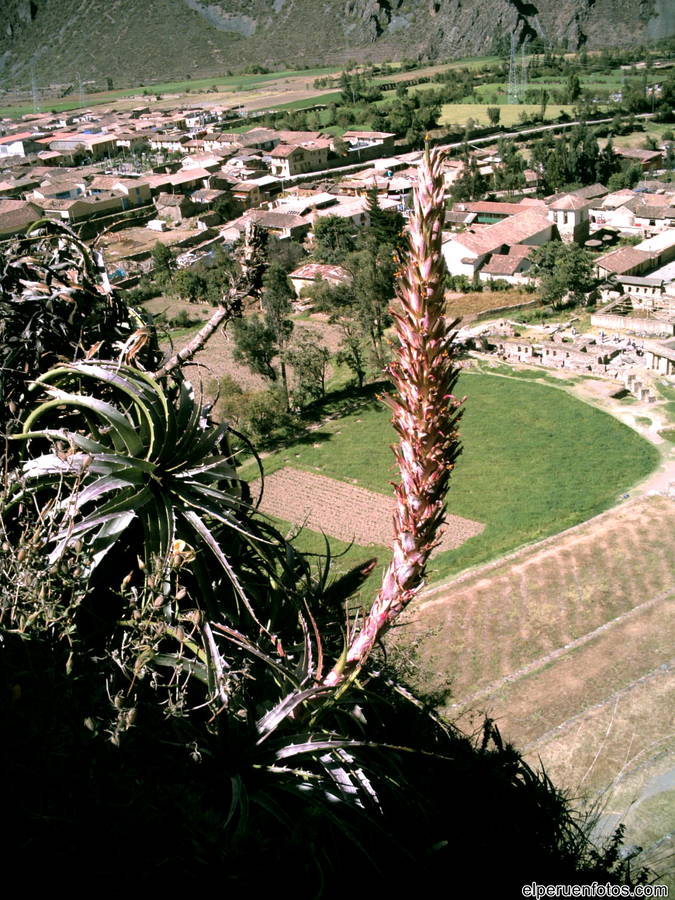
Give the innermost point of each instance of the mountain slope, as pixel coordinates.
(135, 40)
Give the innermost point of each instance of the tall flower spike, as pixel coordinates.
(425, 414)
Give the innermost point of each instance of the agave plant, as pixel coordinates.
(56, 305)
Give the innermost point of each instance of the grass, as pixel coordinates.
(459, 113)
(333, 97)
(343, 556)
(535, 461)
(235, 83)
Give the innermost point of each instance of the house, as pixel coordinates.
(22, 143)
(467, 252)
(310, 273)
(58, 190)
(182, 182)
(369, 143)
(510, 266)
(202, 160)
(171, 142)
(247, 193)
(16, 187)
(571, 215)
(648, 160)
(303, 204)
(660, 356)
(295, 159)
(615, 210)
(81, 209)
(95, 145)
(488, 212)
(655, 213)
(132, 140)
(16, 216)
(283, 226)
(134, 191)
(623, 261)
(175, 207)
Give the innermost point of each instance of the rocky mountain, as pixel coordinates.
(132, 41)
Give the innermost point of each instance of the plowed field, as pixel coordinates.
(343, 510)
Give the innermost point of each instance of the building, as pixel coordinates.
(623, 261)
(467, 252)
(570, 214)
(310, 273)
(287, 160)
(22, 143)
(16, 216)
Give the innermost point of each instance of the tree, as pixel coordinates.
(385, 225)
(572, 88)
(309, 358)
(190, 285)
(276, 300)
(372, 272)
(164, 259)
(353, 349)
(334, 238)
(471, 184)
(494, 114)
(566, 273)
(255, 345)
(227, 207)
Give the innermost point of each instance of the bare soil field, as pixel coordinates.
(568, 646)
(342, 510)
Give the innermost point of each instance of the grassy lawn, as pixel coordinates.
(343, 557)
(535, 461)
(459, 113)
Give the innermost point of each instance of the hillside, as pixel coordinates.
(131, 41)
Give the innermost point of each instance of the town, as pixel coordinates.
(548, 596)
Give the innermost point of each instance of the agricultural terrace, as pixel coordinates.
(568, 646)
(535, 462)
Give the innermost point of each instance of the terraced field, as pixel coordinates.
(568, 645)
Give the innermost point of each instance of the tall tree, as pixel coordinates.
(255, 346)
(334, 238)
(566, 273)
(276, 300)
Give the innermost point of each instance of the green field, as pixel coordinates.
(459, 113)
(535, 462)
(233, 83)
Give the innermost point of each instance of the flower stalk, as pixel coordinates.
(425, 415)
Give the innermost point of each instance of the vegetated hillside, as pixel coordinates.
(136, 40)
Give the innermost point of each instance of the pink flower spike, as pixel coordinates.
(425, 415)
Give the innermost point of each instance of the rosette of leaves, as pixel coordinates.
(56, 305)
(139, 496)
(222, 613)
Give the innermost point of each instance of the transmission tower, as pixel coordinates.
(34, 90)
(512, 90)
(524, 62)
